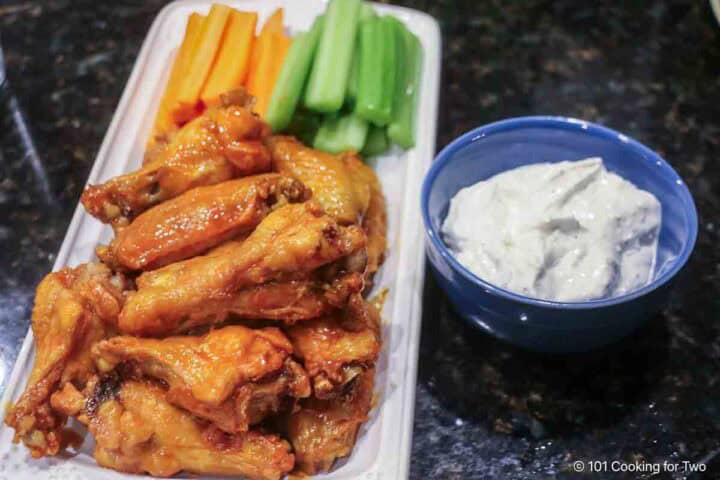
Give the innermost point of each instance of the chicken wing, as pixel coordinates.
(326, 175)
(344, 186)
(289, 244)
(335, 349)
(374, 221)
(74, 308)
(325, 430)
(200, 219)
(136, 430)
(233, 376)
(292, 301)
(223, 143)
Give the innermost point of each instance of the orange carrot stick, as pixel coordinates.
(163, 121)
(268, 53)
(281, 45)
(204, 56)
(273, 47)
(257, 78)
(274, 23)
(231, 66)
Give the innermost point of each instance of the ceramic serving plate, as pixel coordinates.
(383, 447)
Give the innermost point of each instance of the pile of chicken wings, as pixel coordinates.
(225, 329)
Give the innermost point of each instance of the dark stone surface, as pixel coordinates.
(483, 409)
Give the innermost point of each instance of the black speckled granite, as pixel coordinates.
(67, 63)
(483, 409)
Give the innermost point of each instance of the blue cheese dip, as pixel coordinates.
(567, 231)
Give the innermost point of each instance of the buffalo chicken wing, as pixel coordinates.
(289, 302)
(223, 143)
(137, 430)
(322, 431)
(200, 219)
(74, 308)
(232, 377)
(343, 184)
(335, 349)
(326, 175)
(289, 244)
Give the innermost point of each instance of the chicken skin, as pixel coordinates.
(223, 143)
(325, 430)
(200, 219)
(233, 376)
(74, 308)
(374, 221)
(328, 177)
(292, 301)
(335, 349)
(290, 243)
(344, 185)
(137, 430)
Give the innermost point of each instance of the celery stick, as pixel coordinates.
(403, 64)
(331, 67)
(366, 12)
(292, 77)
(378, 64)
(376, 143)
(402, 128)
(351, 94)
(339, 133)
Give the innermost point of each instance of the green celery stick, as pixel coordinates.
(403, 63)
(292, 77)
(402, 127)
(366, 12)
(351, 94)
(328, 81)
(378, 64)
(376, 143)
(339, 133)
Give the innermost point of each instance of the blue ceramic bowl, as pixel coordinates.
(540, 324)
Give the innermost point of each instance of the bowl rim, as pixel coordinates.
(565, 123)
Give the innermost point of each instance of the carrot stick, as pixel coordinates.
(261, 65)
(204, 56)
(231, 66)
(273, 24)
(163, 121)
(272, 49)
(266, 61)
(281, 45)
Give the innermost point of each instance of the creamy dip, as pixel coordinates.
(567, 231)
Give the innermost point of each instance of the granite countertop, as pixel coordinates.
(483, 409)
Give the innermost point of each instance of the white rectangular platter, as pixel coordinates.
(384, 443)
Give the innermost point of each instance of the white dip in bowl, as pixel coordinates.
(567, 231)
